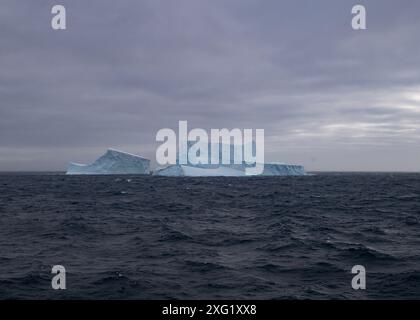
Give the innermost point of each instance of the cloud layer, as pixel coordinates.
(328, 97)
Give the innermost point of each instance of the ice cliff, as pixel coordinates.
(230, 169)
(270, 169)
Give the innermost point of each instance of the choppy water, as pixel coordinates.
(189, 238)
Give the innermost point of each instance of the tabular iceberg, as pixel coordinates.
(270, 169)
(227, 170)
(113, 162)
(178, 170)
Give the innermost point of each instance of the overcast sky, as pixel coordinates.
(328, 97)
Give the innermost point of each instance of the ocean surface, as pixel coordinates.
(144, 237)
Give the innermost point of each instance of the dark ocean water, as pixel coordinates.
(136, 237)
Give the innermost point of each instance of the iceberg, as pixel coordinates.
(113, 162)
(230, 169)
(270, 169)
(282, 169)
(177, 170)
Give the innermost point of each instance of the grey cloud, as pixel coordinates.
(125, 69)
